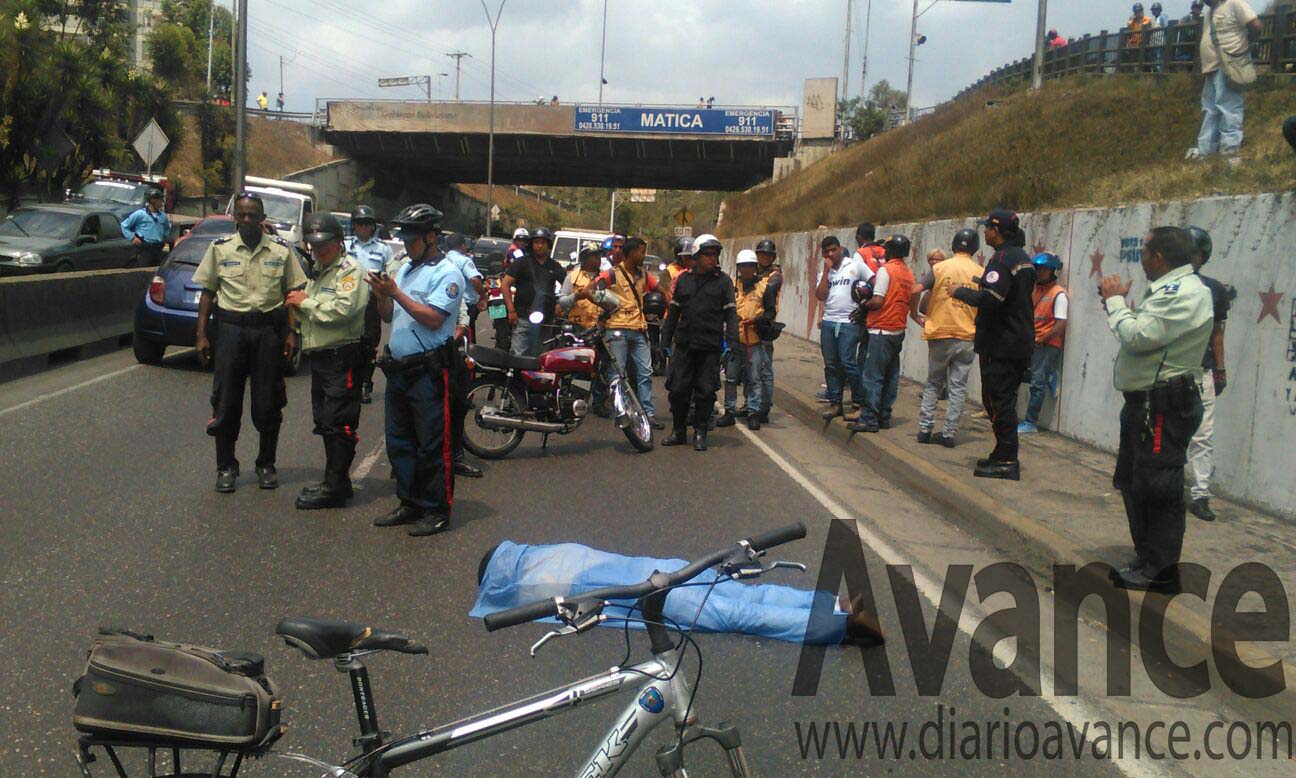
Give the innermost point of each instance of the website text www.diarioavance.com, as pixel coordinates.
(946, 737)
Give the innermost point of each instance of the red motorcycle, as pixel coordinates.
(549, 394)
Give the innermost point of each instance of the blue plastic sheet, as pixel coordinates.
(518, 574)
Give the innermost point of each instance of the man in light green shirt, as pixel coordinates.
(331, 311)
(1161, 348)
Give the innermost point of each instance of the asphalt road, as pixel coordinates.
(109, 518)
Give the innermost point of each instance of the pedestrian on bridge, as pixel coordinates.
(250, 274)
(1005, 336)
(1158, 369)
(422, 303)
(148, 229)
(331, 311)
(703, 314)
(373, 256)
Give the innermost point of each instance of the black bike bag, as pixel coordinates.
(139, 689)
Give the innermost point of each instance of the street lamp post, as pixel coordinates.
(1037, 73)
(913, 42)
(602, 54)
(240, 95)
(490, 151)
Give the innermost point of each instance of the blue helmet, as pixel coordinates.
(1046, 260)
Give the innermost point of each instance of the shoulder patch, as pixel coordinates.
(992, 276)
(1171, 288)
(452, 289)
(281, 241)
(224, 240)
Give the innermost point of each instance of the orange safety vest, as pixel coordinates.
(584, 313)
(750, 305)
(1044, 297)
(873, 255)
(895, 306)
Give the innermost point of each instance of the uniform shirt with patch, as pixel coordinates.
(372, 255)
(1167, 336)
(469, 270)
(332, 314)
(247, 280)
(438, 284)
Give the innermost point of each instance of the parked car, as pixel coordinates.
(62, 238)
(214, 226)
(167, 314)
(488, 255)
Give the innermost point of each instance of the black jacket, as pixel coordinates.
(1005, 320)
(701, 307)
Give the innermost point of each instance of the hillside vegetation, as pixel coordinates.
(274, 149)
(1083, 141)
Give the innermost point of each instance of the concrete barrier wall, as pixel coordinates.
(1253, 237)
(40, 315)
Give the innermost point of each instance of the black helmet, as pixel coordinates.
(766, 246)
(897, 247)
(861, 292)
(321, 228)
(419, 217)
(1201, 242)
(654, 304)
(966, 240)
(542, 232)
(363, 214)
(684, 246)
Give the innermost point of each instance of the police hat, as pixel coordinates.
(321, 228)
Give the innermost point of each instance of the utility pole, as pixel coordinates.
(1037, 73)
(490, 153)
(280, 74)
(211, 31)
(845, 92)
(913, 42)
(868, 24)
(457, 56)
(602, 54)
(240, 94)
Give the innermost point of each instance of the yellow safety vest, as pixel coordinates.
(584, 312)
(629, 316)
(750, 306)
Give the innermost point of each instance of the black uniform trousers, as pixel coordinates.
(418, 438)
(460, 381)
(692, 385)
(335, 407)
(1150, 474)
(148, 255)
(1000, 379)
(248, 346)
(369, 341)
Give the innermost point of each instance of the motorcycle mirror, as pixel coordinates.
(536, 317)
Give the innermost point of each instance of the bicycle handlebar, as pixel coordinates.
(545, 608)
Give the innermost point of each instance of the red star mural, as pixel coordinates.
(1097, 259)
(1269, 304)
(1037, 248)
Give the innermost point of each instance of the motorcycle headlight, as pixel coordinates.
(29, 258)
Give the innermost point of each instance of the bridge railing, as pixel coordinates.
(1175, 51)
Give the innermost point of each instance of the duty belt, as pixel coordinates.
(345, 348)
(250, 319)
(1165, 388)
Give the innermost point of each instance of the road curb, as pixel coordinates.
(1037, 547)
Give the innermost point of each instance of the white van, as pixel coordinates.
(567, 242)
(286, 204)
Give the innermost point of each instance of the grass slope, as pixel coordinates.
(274, 149)
(1083, 141)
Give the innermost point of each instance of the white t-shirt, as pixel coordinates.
(1230, 18)
(839, 306)
(1060, 306)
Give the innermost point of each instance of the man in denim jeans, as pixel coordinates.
(1229, 28)
(627, 329)
(1051, 304)
(888, 310)
(838, 337)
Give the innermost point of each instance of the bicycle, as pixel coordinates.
(664, 694)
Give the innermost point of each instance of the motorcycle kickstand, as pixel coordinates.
(670, 758)
(544, 443)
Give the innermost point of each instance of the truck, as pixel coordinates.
(286, 204)
(120, 193)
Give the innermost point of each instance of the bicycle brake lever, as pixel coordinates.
(788, 565)
(577, 617)
(557, 633)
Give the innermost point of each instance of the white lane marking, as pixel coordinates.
(368, 462)
(1069, 708)
(67, 389)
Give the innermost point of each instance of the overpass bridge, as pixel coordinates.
(667, 147)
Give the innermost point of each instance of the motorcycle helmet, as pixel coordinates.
(1046, 260)
(521, 234)
(321, 228)
(684, 247)
(861, 292)
(1201, 242)
(766, 246)
(966, 241)
(364, 214)
(542, 232)
(897, 246)
(707, 241)
(746, 257)
(654, 304)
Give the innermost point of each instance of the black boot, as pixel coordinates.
(727, 420)
(429, 524)
(461, 467)
(328, 497)
(267, 475)
(227, 466)
(678, 436)
(404, 514)
(1010, 471)
(699, 439)
(366, 393)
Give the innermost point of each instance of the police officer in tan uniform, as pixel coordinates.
(247, 275)
(331, 312)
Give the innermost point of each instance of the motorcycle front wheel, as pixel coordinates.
(483, 440)
(632, 418)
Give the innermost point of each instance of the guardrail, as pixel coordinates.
(304, 117)
(1176, 51)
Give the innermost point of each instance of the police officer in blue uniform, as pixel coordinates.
(422, 303)
(148, 228)
(365, 249)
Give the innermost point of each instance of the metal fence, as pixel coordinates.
(1173, 49)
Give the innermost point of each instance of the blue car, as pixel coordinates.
(167, 314)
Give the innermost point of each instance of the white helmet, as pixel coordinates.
(521, 233)
(706, 240)
(746, 257)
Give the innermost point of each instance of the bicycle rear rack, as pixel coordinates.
(221, 757)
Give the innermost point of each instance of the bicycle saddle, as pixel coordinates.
(493, 357)
(321, 639)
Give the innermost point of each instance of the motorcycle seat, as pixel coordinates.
(321, 639)
(493, 357)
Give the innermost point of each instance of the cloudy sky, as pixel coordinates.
(754, 52)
